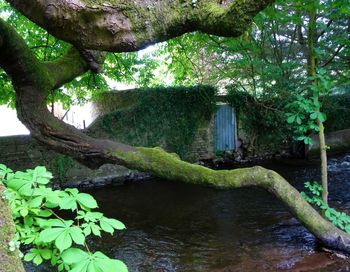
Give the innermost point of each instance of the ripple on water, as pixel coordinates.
(177, 227)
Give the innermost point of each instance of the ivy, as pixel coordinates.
(61, 165)
(49, 237)
(167, 117)
(261, 118)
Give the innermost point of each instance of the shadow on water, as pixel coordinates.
(179, 227)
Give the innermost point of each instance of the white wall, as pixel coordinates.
(9, 123)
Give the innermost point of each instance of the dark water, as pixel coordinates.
(178, 227)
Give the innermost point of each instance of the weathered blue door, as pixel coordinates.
(225, 128)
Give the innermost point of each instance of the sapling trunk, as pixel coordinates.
(323, 155)
(312, 67)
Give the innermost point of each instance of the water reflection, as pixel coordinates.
(179, 227)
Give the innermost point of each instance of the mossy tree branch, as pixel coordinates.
(124, 25)
(169, 166)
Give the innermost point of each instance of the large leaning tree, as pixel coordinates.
(93, 26)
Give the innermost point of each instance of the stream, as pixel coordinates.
(179, 227)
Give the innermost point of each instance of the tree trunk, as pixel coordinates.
(123, 25)
(323, 155)
(9, 260)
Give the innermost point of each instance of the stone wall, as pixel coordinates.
(336, 140)
(202, 147)
(141, 118)
(23, 152)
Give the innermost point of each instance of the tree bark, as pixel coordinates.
(9, 260)
(323, 156)
(124, 25)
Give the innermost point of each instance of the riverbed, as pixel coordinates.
(179, 227)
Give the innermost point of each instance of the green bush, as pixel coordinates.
(262, 119)
(49, 237)
(337, 109)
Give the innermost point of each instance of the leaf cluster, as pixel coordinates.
(339, 219)
(305, 113)
(45, 234)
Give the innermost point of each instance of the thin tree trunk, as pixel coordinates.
(323, 155)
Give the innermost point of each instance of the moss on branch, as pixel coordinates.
(165, 165)
(124, 25)
(24, 68)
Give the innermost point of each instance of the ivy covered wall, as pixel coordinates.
(179, 119)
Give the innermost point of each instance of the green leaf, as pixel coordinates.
(108, 225)
(298, 120)
(314, 115)
(29, 256)
(72, 191)
(68, 203)
(4, 171)
(24, 212)
(77, 235)
(347, 228)
(322, 117)
(28, 220)
(61, 267)
(291, 119)
(74, 255)
(308, 141)
(116, 224)
(327, 213)
(87, 200)
(87, 231)
(36, 255)
(46, 254)
(45, 213)
(41, 175)
(37, 259)
(81, 267)
(49, 235)
(64, 240)
(89, 216)
(104, 263)
(96, 230)
(35, 202)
